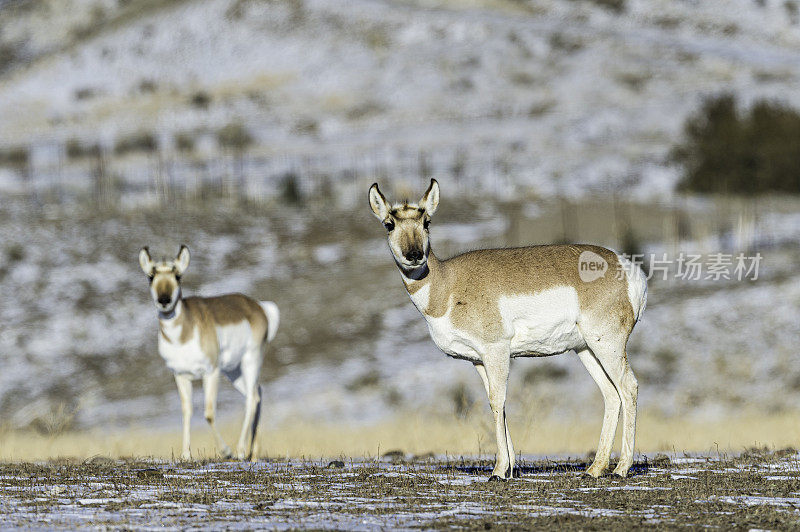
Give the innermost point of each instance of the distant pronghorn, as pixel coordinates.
(491, 305)
(202, 336)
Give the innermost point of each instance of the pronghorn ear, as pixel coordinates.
(430, 200)
(145, 261)
(182, 261)
(380, 207)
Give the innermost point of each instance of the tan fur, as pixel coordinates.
(205, 313)
(181, 320)
(472, 283)
(409, 220)
(479, 294)
(407, 211)
(165, 283)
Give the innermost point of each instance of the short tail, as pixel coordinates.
(273, 318)
(637, 286)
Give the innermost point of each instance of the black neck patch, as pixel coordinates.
(415, 274)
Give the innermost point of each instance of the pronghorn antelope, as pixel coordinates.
(200, 337)
(489, 306)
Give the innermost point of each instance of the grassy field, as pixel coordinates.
(415, 434)
(756, 489)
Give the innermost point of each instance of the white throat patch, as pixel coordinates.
(421, 297)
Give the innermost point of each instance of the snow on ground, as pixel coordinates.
(552, 97)
(78, 346)
(399, 494)
(557, 97)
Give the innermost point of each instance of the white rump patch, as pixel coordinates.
(273, 318)
(637, 286)
(543, 323)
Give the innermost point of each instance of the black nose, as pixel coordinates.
(414, 255)
(164, 300)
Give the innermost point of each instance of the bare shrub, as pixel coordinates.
(200, 99)
(462, 400)
(184, 141)
(14, 156)
(234, 136)
(77, 150)
(137, 142)
(544, 372)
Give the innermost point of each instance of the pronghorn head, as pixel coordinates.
(165, 278)
(407, 225)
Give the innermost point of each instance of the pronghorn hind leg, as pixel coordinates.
(245, 447)
(184, 384)
(612, 403)
(254, 427)
(211, 387)
(247, 385)
(512, 471)
(629, 391)
(612, 357)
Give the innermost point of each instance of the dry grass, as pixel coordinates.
(415, 434)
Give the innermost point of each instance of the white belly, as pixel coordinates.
(533, 325)
(542, 324)
(234, 341)
(187, 359)
(454, 342)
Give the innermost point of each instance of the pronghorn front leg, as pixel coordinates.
(512, 459)
(496, 365)
(184, 383)
(210, 387)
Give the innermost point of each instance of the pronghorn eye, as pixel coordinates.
(426, 223)
(389, 225)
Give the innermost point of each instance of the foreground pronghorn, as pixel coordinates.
(491, 305)
(202, 336)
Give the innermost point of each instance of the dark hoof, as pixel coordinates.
(513, 473)
(496, 478)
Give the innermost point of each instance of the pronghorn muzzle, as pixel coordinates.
(414, 256)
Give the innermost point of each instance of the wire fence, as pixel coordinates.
(47, 173)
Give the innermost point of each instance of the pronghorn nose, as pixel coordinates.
(164, 300)
(414, 255)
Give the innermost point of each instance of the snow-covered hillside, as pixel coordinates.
(548, 97)
(78, 335)
(565, 96)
